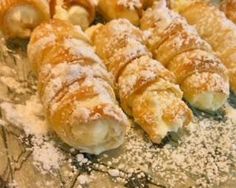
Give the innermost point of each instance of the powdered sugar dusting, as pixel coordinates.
(178, 46)
(81, 48)
(207, 154)
(64, 74)
(146, 70)
(222, 38)
(42, 43)
(47, 157)
(28, 117)
(130, 4)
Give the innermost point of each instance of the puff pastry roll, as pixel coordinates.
(129, 9)
(217, 30)
(199, 72)
(76, 89)
(146, 89)
(19, 17)
(78, 12)
(229, 8)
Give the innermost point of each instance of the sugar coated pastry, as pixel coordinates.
(19, 17)
(147, 90)
(129, 9)
(229, 8)
(75, 88)
(78, 12)
(214, 27)
(200, 73)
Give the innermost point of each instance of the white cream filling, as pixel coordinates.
(60, 13)
(92, 133)
(97, 136)
(91, 30)
(20, 20)
(157, 102)
(209, 100)
(77, 15)
(162, 127)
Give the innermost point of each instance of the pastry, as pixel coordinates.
(217, 30)
(78, 12)
(44, 40)
(76, 89)
(200, 73)
(229, 8)
(129, 9)
(19, 17)
(146, 89)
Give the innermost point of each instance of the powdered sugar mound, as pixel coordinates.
(28, 117)
(114, 172)
(84, 179)
(8, 82)
(46, 155)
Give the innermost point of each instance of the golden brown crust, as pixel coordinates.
(158, 110)
(196, 61)
(47, 37)
(142, 70)
(178, 46)
(181, 41)
(229, 8)
(76, 88)
(169, 114)
(142, 83)
(222, 38)
(102, 36)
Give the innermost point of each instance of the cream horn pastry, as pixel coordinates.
(214, 27)
(229, 8)
(76, 89)
(19, 17)
(201, 75)
(146, 89)
(129, 9)
(78, 12)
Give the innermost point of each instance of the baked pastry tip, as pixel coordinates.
(200, 73)
(128, 9)
(205, 16)
(18, 18)
(229, 8)
(78, 12)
